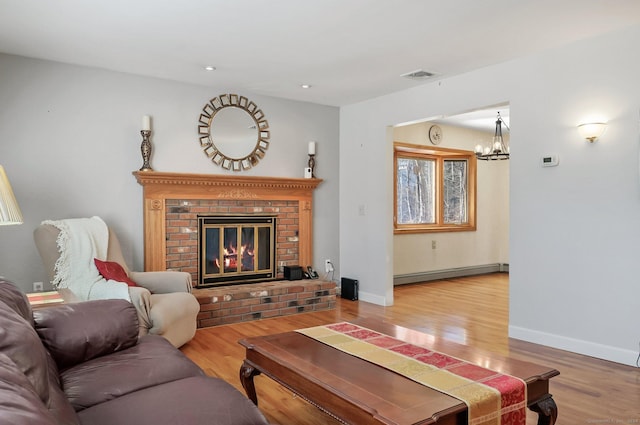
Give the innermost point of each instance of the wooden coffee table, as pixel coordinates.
(357, 392)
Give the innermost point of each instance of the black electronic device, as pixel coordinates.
(293, 272)
(312, 273)
(349, 289)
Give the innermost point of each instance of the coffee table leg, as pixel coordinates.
(247, 372)
(547, 411)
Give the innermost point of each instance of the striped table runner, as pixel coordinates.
(492, 398)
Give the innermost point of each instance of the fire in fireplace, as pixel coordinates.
(236, 249)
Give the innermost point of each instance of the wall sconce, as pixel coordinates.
(591, 131)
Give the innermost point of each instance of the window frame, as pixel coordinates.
(438, 154)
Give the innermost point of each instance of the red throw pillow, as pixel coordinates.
(111, 270)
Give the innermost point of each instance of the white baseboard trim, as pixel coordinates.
(371, 298)
(449, 273)
(587, 348)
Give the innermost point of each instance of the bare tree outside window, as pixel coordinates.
(416, 191)
(434, 189)
(455, 191)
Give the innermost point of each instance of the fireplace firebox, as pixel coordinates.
(236, 249)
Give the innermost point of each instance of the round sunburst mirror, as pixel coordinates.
(233, 132)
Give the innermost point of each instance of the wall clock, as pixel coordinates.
(435, 134)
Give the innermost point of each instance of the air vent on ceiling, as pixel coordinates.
(419, 74)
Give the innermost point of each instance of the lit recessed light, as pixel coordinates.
(305, 86)
(209, 68)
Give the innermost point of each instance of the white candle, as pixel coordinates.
(312, 148)
(146, 122)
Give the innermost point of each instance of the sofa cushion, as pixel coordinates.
(77, 332)
(152, 362)
(19, 341)
(19, 402)
(190, 401)
(58, 404)
(15, 299)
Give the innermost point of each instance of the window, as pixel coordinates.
(434, 189)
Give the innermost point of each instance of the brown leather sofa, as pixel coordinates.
(83, 363)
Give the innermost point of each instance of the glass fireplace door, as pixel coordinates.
(237, 251)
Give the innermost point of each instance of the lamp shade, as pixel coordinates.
(9, 209)
(591, 131)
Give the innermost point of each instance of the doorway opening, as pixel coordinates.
(420, 257)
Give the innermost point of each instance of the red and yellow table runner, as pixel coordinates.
(492, 398)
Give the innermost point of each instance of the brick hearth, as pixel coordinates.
(241, 303)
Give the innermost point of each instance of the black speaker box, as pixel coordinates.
(349, 289)
(293, 272)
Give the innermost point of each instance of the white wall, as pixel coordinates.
(70, 139)
(489, 243)
(574, 228)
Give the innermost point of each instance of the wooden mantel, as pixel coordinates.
(159, 186)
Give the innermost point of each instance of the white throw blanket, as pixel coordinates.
(79, 242)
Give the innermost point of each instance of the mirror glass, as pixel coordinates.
(234, 133)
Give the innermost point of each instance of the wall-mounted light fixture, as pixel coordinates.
(591, 131)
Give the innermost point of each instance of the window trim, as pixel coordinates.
(408, 150)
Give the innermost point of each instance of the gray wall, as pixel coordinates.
(70, 139)
(574, 228)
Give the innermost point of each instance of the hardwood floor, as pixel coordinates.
(471, 310)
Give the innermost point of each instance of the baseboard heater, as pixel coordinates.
(450, 273)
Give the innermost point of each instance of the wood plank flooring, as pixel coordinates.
(471, 310)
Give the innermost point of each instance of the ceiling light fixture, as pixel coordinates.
(209, 68)
(305, 86)
(498, 149)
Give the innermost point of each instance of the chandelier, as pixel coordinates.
(497, 150)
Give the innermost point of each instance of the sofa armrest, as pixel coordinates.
(163, 282)
(75, 333)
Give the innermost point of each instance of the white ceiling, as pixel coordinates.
(479, 119)
(348, 50)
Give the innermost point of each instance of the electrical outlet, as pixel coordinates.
(328, 267)
(38, 287)
(433, 244)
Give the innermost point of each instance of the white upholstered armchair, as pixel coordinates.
(163, 299)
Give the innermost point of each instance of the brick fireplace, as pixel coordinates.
(182, 235)
(171, 205)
